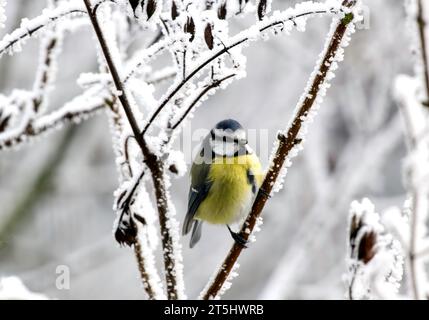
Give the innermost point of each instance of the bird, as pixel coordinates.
(225, 177)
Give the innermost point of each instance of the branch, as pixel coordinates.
(155, 166)
(285, 144)
(75, 111)
(277, 21)
(46, 74)
(203, 92)
(10, 42)
(153, 290)
(421, 23)
(415, 171)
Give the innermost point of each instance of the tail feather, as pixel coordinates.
(187, 224)
(196, 233)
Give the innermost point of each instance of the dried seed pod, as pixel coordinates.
(190, 28)
(355, 226)
(173, 169)
(222, 12)
(134, 4)
(126, 232)
(208, 36)
(366, 250)
(262, 9)
(174, 13)
(4, 123)
(150, 8)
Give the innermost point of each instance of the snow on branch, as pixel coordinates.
(12, 43)
(77, 110)
(375, 259)
(289, 143)
(12, 288)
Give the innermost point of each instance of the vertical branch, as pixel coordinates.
(50, 48)
(142, 269)
(144, 255)
(46, 74)
(415, 130)
(285, 144)
(172, 274)
(421, 23)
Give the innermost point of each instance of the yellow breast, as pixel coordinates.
(230, 193)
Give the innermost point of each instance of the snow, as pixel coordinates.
(12, 288)
(2, 13)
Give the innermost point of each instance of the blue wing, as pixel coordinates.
(200, 187)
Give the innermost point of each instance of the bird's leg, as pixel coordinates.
(238, 238)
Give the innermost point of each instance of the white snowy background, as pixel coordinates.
(354, 149)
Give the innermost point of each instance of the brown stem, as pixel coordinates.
(421, 22)
(142, 269)
(285, 145)
(213, 85)
(43, 80)
(150, 159)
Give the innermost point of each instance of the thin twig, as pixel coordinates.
(285, 145)
(150, 159)
(213, 85)
(421, 23)
(47, 123)
(23, 33)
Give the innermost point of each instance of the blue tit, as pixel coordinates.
(225, 176)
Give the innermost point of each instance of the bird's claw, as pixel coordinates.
(238, 238)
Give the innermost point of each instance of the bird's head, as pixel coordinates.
(228, 138)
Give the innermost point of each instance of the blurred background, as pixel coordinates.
(56, 192)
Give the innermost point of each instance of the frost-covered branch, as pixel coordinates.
(155, 166)
(421, 23)
(416, 172)
(138, 218)
(289, 143)
(77, 110)
(412, 96)
(12, 43)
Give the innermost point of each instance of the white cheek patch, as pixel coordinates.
(224, 148)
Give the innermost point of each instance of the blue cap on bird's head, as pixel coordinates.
(229, 130)
(229, 124)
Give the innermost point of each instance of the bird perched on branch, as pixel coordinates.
(225, 176)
